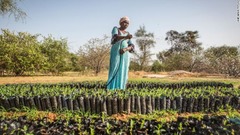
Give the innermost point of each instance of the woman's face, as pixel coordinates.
(124, 24)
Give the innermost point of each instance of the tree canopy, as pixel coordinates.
(145, 41)
(10, 7)
(184, 51)
(22, 52)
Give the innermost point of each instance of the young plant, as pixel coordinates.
(142, 124)
(132, 123)
(159, 129)
(108, 128)
(180, 127)
(92, 131)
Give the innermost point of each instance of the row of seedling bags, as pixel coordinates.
(10, 91)
(112, 105)
(131, 85)
(217, 125)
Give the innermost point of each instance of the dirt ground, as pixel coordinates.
(174, 76)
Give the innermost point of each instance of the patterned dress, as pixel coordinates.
(119, 63)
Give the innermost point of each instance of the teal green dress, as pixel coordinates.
(119, 63)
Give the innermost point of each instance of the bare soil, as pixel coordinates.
(174, 76)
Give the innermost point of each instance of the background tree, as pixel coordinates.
(183, 42)
(56, 54)
(74, 63)
(184, 53)
(156, 66)
(95, 54)
(20, 52)
(223, 59)
(10, 7)
(134, 66)
(144, 42)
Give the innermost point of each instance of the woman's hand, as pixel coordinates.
(122, 51)
(129, 36)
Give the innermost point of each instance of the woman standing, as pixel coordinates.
(119, 56)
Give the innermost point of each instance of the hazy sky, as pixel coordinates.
(81, 20)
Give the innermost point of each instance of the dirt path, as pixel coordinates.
(48, 79)
(179, 76)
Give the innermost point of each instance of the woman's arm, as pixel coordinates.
(130, 47)
(117, 38)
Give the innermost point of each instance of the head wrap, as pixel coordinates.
(125, 18)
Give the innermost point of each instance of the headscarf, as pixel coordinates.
(125, 18)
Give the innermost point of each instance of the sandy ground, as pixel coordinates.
(174, 76)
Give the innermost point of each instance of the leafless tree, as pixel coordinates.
(95, 54)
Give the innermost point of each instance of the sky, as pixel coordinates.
(81, 20)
